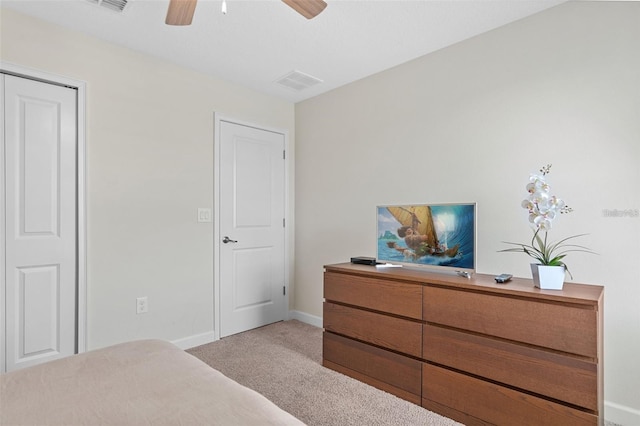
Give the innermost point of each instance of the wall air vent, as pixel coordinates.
(115, 5)
(298, 81)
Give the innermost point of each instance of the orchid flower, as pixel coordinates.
(543, 209)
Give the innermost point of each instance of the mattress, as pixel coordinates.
(148, 382)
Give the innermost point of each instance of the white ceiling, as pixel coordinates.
(258, 42)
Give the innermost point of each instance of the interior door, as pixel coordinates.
(40, 214)
(252, 212)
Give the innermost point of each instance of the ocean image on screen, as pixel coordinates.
(437, 235)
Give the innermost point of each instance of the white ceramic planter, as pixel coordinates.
(548, 277)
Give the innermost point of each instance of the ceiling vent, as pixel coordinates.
(115, 5)
(298, 81)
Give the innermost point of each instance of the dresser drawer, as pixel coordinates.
(393, 333)
(557, 376)
(476, 402)
(381, 295)
(563, 327)
(389, 371)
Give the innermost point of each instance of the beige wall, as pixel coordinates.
(149, 167)
(469, 123)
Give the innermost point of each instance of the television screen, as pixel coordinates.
(437, 236)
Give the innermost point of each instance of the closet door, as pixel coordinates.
(40, 231)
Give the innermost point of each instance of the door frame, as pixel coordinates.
(217, 119)
(81, 292)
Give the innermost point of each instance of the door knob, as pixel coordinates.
(228, 240)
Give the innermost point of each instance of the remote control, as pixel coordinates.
(503, 278)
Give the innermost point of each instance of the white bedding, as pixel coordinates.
(148, 382)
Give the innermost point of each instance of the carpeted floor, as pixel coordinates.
(282, 361)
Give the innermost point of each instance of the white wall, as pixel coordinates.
(469, 123)
(149, 167)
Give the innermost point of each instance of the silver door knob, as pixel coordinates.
(228, 240)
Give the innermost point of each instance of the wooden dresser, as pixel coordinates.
(470, 349)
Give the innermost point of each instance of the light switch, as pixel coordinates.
(204, 215)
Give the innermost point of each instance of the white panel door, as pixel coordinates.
(252, 203)
(40, 221)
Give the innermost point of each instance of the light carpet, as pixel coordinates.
(282, 361)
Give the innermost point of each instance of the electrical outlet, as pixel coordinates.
(142, 305)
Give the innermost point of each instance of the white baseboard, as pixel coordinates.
(197, 340)
(208, 337)
(620, 414)
(306, 318)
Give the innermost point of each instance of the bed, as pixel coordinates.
(148, 382)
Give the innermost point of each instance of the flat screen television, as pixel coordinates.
(440, 237)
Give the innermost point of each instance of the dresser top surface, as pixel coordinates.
(571, 292)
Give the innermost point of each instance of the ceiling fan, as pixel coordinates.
(181, 11)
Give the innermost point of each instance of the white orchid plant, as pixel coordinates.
(543, 209)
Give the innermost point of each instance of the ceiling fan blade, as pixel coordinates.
(180, 12)
(307, 8)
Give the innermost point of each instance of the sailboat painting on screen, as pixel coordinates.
(437, 236)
